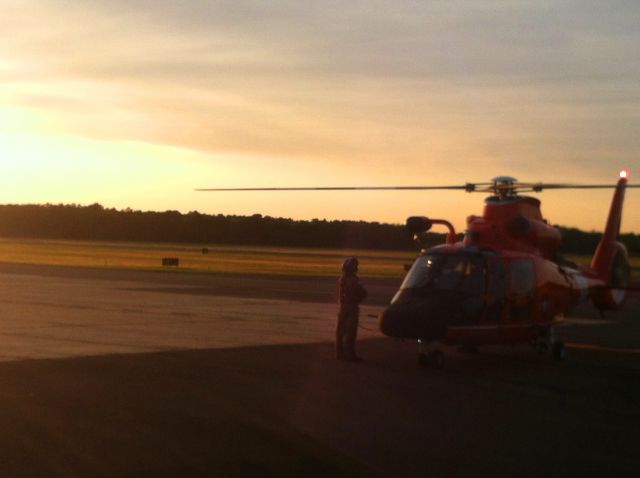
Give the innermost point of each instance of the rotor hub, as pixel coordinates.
(505, 186)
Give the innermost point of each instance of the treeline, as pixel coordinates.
(575, 241)
(98, 223)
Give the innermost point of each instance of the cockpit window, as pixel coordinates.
(447, 272)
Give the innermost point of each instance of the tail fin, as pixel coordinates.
(611, 260)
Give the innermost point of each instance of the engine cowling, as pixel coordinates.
(536, 232)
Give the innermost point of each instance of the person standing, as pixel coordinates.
(350, 294)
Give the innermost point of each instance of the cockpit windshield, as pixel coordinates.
(447, 272)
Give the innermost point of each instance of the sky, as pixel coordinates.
(137, 103)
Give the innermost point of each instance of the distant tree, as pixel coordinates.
(95, 222)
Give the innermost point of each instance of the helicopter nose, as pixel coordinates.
(422, 321)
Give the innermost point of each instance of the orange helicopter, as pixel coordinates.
(505, 282)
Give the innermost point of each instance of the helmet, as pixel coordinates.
(350, 265)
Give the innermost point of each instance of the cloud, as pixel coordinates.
(359, 83)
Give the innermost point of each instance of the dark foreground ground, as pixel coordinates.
(290, 409)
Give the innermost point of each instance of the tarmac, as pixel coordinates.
(130, 373)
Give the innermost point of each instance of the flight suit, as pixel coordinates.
(351, 293)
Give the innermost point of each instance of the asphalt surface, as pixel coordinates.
(115, 373)
(287, 288)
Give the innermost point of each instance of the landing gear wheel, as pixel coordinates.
(433, 359)
(468, 349)
(423, 360)
(559, 351)
(436, 359)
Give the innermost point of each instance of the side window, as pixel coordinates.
(522, 278)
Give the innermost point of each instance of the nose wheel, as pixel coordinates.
(433, 359)
(545, 342)
(558, 351)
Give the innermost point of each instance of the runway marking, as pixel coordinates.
(601, 348)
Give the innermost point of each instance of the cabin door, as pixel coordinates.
(496, 289)
(521, 288)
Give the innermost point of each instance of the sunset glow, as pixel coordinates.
(135, 104)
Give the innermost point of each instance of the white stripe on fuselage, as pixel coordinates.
(581, 282)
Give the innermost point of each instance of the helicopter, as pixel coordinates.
(505, 282)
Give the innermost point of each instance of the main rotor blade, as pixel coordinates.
(345, 188)
(469, 187)
(541, 186)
